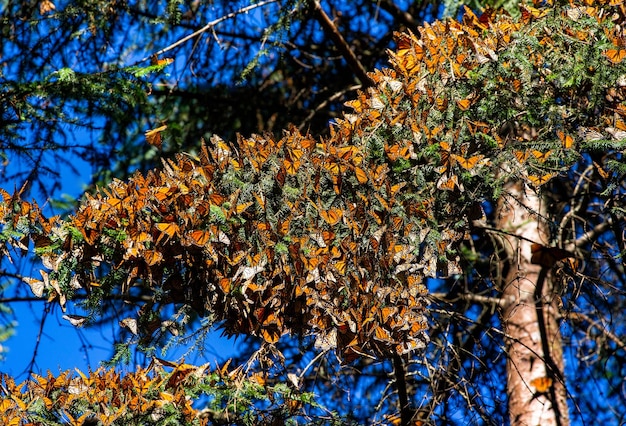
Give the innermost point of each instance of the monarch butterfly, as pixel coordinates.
(154, 60)
(616, 56)
(387, 312)
(200, 237)
(477, 126)
(153, 137)
(361, 176)
(36, 286)
(408, 45)
(270, 336)
(541, 180)
(416, 327)
(541, 156)
(442, 104)
(379, 175)
(397, 151)
(542, 384)
(521, 155)
(168, 228)
(445, 157)
(464, 104)
(588, 134)
(471, 20)
(225, 285)
(468, 163)
(382, 335)
(310, 263)
(139, 236)
(356, 105)
(331, 216)
(566, 140)
(448, 183)
(75, 320)
(531, 13)
(152, 257)
(130, 324)
(340, 266)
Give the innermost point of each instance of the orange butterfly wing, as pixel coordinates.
(616, 56)
(332, 216)
(542, 384)
(540, 180)
(153, 137)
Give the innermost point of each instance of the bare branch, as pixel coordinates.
(210, 25)
(580, 317)
(470, 297)
(592, 234)
(324, 104)
(399, 15)
(332, 31)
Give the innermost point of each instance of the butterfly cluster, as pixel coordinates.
(107, 396)
(336, 237)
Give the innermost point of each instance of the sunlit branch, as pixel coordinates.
(592, 234)
(470, 297)
(209, 26)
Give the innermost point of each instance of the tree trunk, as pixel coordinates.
(535, 387)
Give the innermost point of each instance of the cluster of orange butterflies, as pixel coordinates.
(107, 396)
(330, 237)
(270, 236)
(428, 71)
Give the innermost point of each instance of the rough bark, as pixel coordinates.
(530, 314)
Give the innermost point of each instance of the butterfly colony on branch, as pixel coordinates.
(335, 237)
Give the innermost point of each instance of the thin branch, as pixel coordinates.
(323, 105)
(470, 297)
(399, 15)
(209, 26)
(575, 208)
(592, 234)
(579, 316)
(310, 364)
(332, 31)
(406, 413)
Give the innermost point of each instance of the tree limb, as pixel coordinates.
(470, 297)
(579, 316)
(332, 31)
(398, 14)
(406, 413)
(209, 26)
(592, 234)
